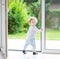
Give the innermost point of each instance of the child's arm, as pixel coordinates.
(39, 30)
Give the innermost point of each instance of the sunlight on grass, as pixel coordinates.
(17, 36)
(50, 35)
(21, 36)
(53, 34)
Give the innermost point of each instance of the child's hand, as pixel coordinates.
(41, 30)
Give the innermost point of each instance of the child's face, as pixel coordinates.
(32, 22)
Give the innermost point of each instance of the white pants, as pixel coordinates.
(31, 42)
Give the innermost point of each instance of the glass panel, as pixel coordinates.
(20, 14)
(52, 24)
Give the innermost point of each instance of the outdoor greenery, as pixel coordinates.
(22, 36)
(52, 16)
(17, 16)
(19, 12)
(50, 35)
(54, 19)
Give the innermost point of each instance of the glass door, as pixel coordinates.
(0, 24)
(51, 26)
(18, 12)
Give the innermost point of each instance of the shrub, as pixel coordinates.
(34, 9)
(53, 19)
(17, 17)
(30, 1)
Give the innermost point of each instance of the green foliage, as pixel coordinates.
(34, 9)
(53, 19)
(47, 8)
(47, 1)
(18, 13)
(30, 1)
(17, 17)
(56, 13)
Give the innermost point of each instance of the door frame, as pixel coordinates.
(6, 25)
(29, 50)
(0, 25)
(4, 51)
(44, 50)
(43, 46)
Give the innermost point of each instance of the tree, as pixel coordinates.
(17, 17)
(30, 1)
(34, 9)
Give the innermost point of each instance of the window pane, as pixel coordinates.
(18, 17)
(52, 24)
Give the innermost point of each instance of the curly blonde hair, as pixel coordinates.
(32, 18)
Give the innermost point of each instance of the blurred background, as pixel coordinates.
(18, 13)
(52, 24)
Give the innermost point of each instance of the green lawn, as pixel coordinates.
(17, 36)
(50, 34)
(53, 34)
(21, 36)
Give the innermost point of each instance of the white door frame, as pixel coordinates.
(4, 28)
(0, 25)
(44, 50)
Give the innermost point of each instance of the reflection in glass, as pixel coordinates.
(52, 24)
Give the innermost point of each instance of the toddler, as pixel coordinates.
(31, 34)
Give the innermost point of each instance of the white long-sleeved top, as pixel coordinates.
(32, 32)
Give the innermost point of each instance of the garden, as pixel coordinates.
(20, 10)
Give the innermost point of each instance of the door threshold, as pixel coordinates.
(20, 50)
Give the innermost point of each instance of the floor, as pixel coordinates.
(29, 55)
(19, 55)
(1, 56)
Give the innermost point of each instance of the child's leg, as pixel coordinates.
(33, 45)
(26, 44)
